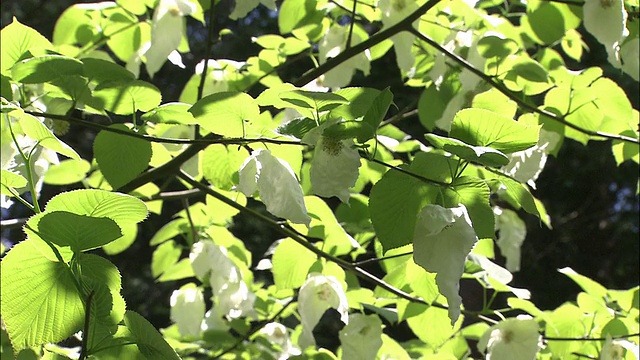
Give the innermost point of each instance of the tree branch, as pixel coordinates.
(503, 89)
(404, 25)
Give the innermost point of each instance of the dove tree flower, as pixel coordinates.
(509, 337)
(188, 310)
(511, 234)
(335, 164)
(317, 294)
(394, 11)
(277, 184)
(277, 334)
(166, 33)
(442, 240)
(333, 43)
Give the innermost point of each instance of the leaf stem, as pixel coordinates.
(85, 331)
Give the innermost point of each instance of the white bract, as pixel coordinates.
(394, 11)
(317, 294)
(606, 21)
(441, 242)
(362, 337)
(331, 45)
(187, 310)
(243, 7)
(526, 165)
(277, 334)
(509, 337)
(231, 294)
(511, 234)
(277, 184)
(166, 33)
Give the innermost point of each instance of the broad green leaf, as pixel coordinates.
(15, 40)
(112, 150)
(360, 101)
(119, 346)
(377, 112)
(434, 100)
(221, 213)
(77, 25)
(318, 101)
(292, 13)
(396, 200)
(68, 171)
(11, 180)
(180, 270)
(220, 165)
(474, 194)
(325, 226)
(226, 113)
(297, 127)
(135, 6)
(494, 100)
(170, 113)
(480, 154)
(362, 337)
(99, 71)
(565, 321)
(480, 127)
(496, 45)
(148, 340)
(45, 68)
(439, 329)
(127, 97)
(291, 264)
(350, 129)
(80, 232)
(40, 301)
(108, 306)
(127, 42)
(5, 88)
(129, 234)
(167, 254)
(36, 130)
(120, 208)
(588, 285)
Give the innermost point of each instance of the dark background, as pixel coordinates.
(592, 202)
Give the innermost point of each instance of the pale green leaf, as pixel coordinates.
(127, 97)
(362, 337)
(15, 40)
(220, 165)
(112, 150)
(170, 113)
(167, 254)
(36, 130)
(149, 341)
(588, 285)
(40, 302)
(318, 101)
(45, 68)
(480, 127)
(474, 194)
(67, 172)
(80, 232)
(11, 180)
(226, 113)
(129, 234)
(325, 226)
(360, 101)
(291, 264)
(479, 154)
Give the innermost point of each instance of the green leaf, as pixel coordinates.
(588, 285)
(167, 254)
(297, 127)
(291, 264)
(80, 232)
(129, 234)
(480, 154)
(67, 172)
(127, 97)
(494, 45)
(180, 270)
(148, 339)
(377, 112)
(360, 100)
(45, 68)
(40, 302)
(36, 130)
(494, 100)
(318, 101)
(5, 88)
(226, 113)
(474, 194)
(126, 42)
(99, 71)
(220, 165)
(439, 329)
(395, 201)
(433, 101)
(170, 113)
(112, 150)
(121, 208)
(15, 40)
(76, 25)
(292, 12)
(531, 71)
(108, 306)
(325, 226)
(11, 180)
(480, 127)
(350, 129)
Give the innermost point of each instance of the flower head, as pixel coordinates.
(509, 337)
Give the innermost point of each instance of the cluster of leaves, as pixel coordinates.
(497, 99)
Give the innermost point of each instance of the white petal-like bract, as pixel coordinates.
(334, 168)
(509, 337)
(511, 234)
(187, 310)
(442, 240)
